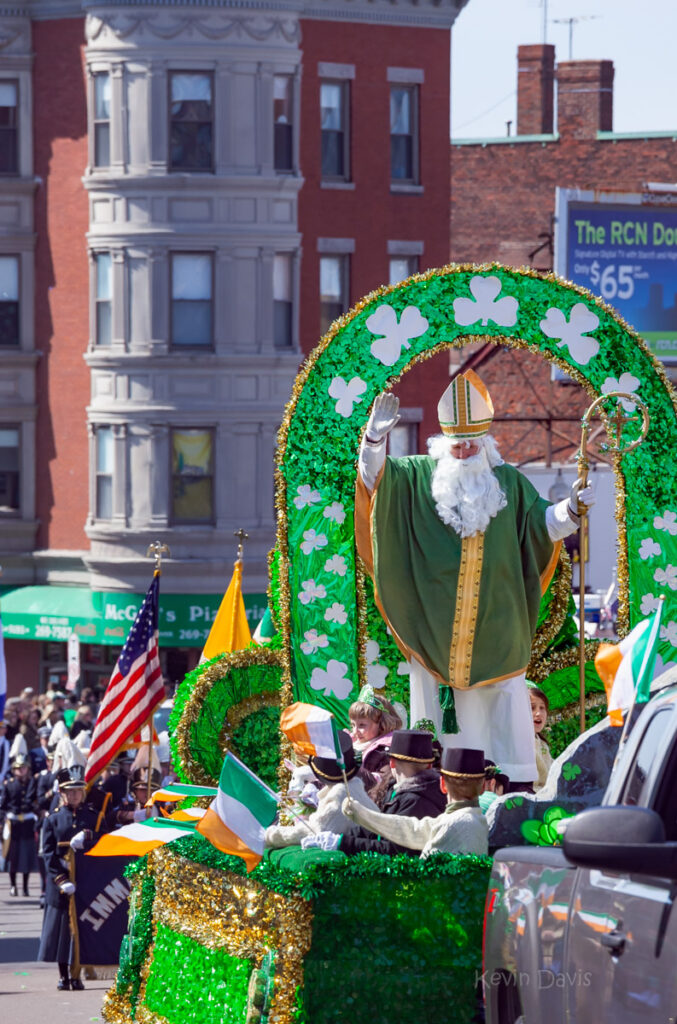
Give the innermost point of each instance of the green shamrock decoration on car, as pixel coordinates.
(570, 771)
(544, 833)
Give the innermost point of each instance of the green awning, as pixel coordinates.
(105, 617)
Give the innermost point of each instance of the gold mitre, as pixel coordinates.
(465, 410)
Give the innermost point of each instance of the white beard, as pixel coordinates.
(467, 493)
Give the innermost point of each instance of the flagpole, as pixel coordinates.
(582, 511)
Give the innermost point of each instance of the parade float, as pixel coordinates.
(324, 938)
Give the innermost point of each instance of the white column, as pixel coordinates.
(120, 475)
(117, 126)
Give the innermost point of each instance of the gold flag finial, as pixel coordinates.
(156, 550)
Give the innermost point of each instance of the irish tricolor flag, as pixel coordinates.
(141, 837)
(178, 791)
(311, 730)
(626, 669)
(238, 817)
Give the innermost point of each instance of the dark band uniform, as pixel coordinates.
(57, 831)
(18, 805)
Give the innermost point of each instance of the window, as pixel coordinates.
(634, 789)
(334, 121)
(334, 289)
(104, 298)
(104, 472)
(404, 133)
(9, 99)
(403, 440)
(401, 267)
(192, 476)
(9, 300)
(283, 143)
(191, 122)
(192, 275)
(282, 301)
(9, 469)
(102, 119)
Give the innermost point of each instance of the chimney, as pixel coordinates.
(585, 98)
(535, 83)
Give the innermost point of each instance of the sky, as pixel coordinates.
(638, 37)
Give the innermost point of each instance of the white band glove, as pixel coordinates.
(578, 497)
(67, 888)
(383, 417)
(321, 841)
(78, 841)
(141, 814)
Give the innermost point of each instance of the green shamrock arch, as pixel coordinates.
(333, 638)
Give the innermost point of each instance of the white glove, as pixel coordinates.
(67, 888)
(321, 841)
(310, 795)
(78, 841)
(384, 416)
(585, 497)
(141, 814)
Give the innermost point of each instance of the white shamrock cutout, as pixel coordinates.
(667, 576)
(486, 305)
(310, 591)
(626, 382)
(376, 674)
(335, 512)
(305, 495)
(313, 641)
(668, 521)
(347, 394)
(648, 604)
(669, 633)
(404, 669)
(332, 680)
(649, 548)
(581, 321)
(395, 335)
(337, 565)
(313, 540)
(336, 613)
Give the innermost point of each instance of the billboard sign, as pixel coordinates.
(625, 251)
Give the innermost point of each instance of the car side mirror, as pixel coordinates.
(629, 840)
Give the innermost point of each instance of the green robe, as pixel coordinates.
(467, 608)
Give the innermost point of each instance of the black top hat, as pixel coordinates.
(413, 745)
(326, 769)
(463, 763)
(71, 778)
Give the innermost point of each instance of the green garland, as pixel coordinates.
(257, 741)
(136, 943)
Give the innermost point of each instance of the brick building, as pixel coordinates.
(503, 194)
(188, 194)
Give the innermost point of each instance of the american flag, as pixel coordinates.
(134, 690)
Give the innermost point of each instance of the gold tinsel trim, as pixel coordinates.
(462, 339)
(116, 1008)
(146, 1016)
(221, 910)
(193, 706)
(561, 593)
(540, 670)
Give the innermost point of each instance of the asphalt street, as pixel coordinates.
(28, 993)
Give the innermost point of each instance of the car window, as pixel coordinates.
(634, 791)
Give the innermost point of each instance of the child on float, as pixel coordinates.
(540, 706)
(328, 816)
(373, 720)
(461, 828)
(495, 784)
